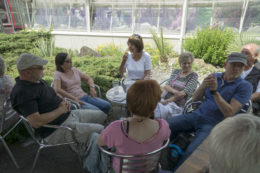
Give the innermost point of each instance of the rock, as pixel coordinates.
(84, 51)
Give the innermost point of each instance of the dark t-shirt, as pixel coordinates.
(28, 98)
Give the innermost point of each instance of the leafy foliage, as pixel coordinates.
(241, 40)
(210, 44)
(162, 45)
(12, 45)
(110, 49)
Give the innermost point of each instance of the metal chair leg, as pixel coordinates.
(9, 152)
(36, 157)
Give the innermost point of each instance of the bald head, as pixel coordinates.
(251, 51)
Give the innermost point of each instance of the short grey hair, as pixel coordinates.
(2, 66)
(234, 145)
(186, 55)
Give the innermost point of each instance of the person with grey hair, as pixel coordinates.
(6, 85)
(38, 102)
(234, 145)
(222, 95)
(251, 73)
(179, 88)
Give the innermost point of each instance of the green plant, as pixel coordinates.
(110, 49)
(241, 40)
(45, 46)
(210, 44)
(162, 45)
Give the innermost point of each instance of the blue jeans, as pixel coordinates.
(189, 123)
(96, 104)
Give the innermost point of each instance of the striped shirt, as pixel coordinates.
(189, 84)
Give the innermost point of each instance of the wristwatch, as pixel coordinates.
(92, 86)
(213, 92)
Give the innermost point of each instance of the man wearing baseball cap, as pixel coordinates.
(251, 73)
(34, 99)
(222, 96)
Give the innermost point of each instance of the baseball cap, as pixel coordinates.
(237, 57)
(27, 60)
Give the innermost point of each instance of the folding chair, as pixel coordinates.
(9, 120)
(136, 163)
(43, 143)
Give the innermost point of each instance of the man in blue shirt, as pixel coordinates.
(224, 95)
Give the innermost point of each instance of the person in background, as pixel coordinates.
(38, 102)
(222, 95)
(136, 62)
(138, 134)
(179, 88)
(251, 73)
(234, 145)
(6, 85)
(67, 83)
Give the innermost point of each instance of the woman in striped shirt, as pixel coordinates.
(179, 88)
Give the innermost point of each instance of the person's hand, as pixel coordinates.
(125, 57)
(81, 102)
(165, 102)
(64, 106)
(93, 92)
(211, 82)
(179, 94)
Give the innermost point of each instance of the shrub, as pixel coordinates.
(210, 44)
(110, 49)
(164, 48)
(12, 45)
(241, 40)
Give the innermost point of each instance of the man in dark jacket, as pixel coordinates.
(251, 73)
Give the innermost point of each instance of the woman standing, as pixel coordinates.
(136, 62)
(179, 88)
(67, 83)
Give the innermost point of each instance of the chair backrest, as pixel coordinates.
(138, 163)
(8, 116)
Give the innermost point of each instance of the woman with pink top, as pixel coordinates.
(67, 83)
(138, 134)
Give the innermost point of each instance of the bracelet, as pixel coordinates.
(92, 86)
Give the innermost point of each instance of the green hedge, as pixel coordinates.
(210, 44)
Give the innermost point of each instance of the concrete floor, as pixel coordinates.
(51, 160)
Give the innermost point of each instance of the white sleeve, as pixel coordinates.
(148, 64)
(258, 87)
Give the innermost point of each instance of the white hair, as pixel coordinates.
(234, 145)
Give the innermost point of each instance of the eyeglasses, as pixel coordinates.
(137, 35)
(68, 61)
(36, 68)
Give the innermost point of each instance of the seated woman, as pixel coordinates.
(67, 83)
(6, 85)
(136, 62)
(139, 134)
(179, 88)
(136, 135)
